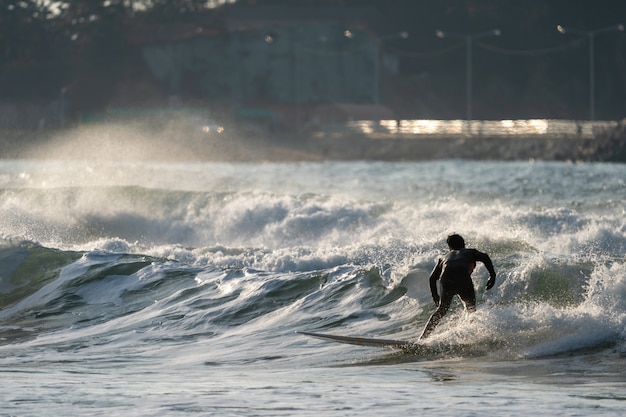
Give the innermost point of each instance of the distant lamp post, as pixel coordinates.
(379, 41)
(591, 34)
(300, 75)
(468, 44)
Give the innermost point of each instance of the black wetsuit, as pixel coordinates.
(454, 270)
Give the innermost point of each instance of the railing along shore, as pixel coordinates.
(535, 128)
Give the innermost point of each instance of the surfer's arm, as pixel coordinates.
(486, 260)
(434, 276)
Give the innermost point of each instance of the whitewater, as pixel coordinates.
(140, 288)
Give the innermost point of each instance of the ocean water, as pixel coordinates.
(163, 289)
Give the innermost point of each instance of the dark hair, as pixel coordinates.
(455, 242)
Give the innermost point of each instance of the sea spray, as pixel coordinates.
(163, 288)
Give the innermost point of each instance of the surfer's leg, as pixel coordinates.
(468, 296)
(442, 309)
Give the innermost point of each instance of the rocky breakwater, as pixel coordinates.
(605, 146)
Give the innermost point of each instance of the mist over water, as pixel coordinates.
(169, 138)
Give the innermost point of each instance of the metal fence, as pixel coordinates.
(481, 128)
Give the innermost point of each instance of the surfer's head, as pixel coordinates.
(455, 242)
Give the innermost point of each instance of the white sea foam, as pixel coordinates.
(214, 266)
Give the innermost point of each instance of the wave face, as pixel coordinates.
(164, 258)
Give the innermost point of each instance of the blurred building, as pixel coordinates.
(274, 63)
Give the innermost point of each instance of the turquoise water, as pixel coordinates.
(174, 289)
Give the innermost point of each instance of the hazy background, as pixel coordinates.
(64, 63)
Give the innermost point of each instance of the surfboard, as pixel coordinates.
(364, 341)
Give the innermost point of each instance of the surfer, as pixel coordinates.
(454, 271)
